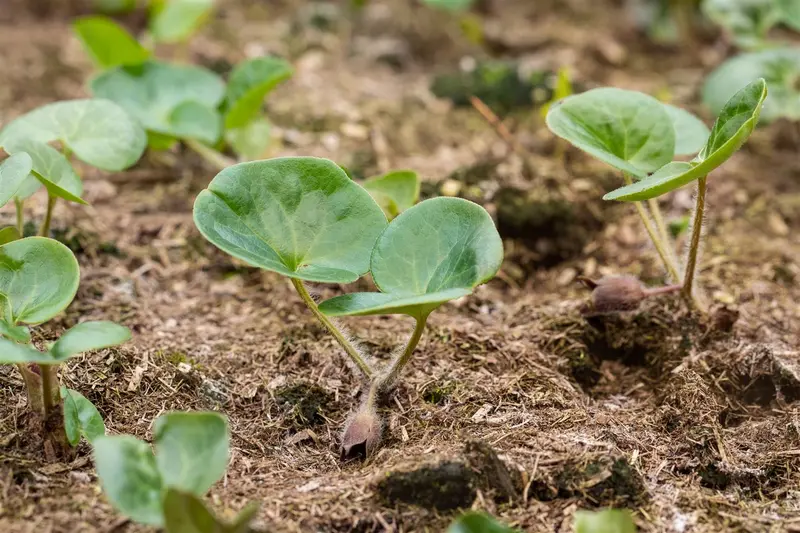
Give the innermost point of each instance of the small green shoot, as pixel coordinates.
(109, 44)
(474, 522)
(175, 21)
(98, 132)
(38, 279)
(164, 487)
(640, 136)
(605, 521)
(395, 192)
(305, 219)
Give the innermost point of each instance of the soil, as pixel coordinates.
(515, 403)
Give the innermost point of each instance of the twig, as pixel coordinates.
(497, 124)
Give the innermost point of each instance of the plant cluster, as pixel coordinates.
(38, 279)
(163, 486)
(640, 136)
(179, 102)
(305, 219)
(605, 521)
(748, 22)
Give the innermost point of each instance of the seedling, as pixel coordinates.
(97, 132)
(640, 136)
(165, 488)
(779, 67)
(749, 22)
(183, 102)
(170, 21)
(305, 219)
(395, 192)
(38, 279)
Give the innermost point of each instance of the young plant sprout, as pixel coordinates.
(395, 192)
(605, 521)
(97, 132)
(749, 21)
(166, 488)
(779, 67)
(183, 103)
(640, 136)
(305, 219)
(38, 279)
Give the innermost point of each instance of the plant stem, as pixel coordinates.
(340, 338)
(400, 362)
(213, 157)
(661, 247)
(33, 386)
(697, 230)
(47, 389)
(655, 210)
(19, 204)
(51, 203)
(666, 289)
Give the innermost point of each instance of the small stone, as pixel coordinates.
(358, 132)
(450, 188)
(566, 277)
(777, 225)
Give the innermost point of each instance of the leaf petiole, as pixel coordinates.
(213, 157)
(401, 361)
(340, 338)
(697, 230)
(19, 204)
(51, 203)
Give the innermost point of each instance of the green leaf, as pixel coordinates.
(436, 251)
(187, 513)
(473, 522)
(98, 132)
(154, 92)
(81, 417)
(191, 120)
(449, 5)
(395, 192)
(300, 216)
(15, 333)
(249, 84)
(13, 171)
(780, 68)
(8, 234)
(114, 6)
(628, 130)
(191, 450)
(109, 44)
(12, 353)
(790, 13)
(606, 521)
(129, 477)
(159, 141)
(50, 168)
(732, 128)
(252, 140)
(88, 336)
(176, 20)
(39, 277)
(691, 133)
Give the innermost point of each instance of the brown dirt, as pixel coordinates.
(693, 428)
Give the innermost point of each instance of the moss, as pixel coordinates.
(446, 486)
(436, 393)
(304, 405)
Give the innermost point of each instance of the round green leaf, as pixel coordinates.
(129, 477)
(81, 417)
(478, 523)
(13, 171)
(628, 130)
(300, 216)
(109, 44)
(780, 68)
(395, 192)
(162, 97)
(187, 513)
(12, 353)
(191, 450)
(98, 132)
(606, 521)
(436, 251)
(249, 84)
(50, 168)
(39, 277)
(88, 336)
(252, 140)
(176, 20)
(732, 128)
(691, 134)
